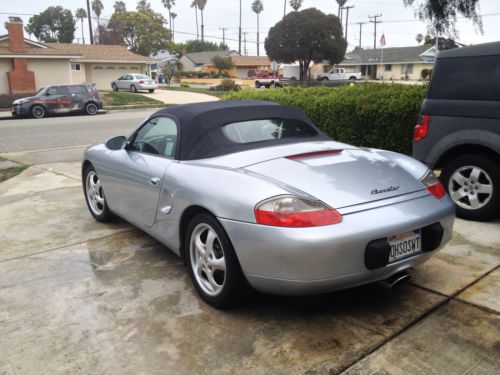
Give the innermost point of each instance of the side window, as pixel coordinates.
(158, 137)
(57, 90)
(76, 89)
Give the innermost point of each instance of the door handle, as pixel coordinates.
(154, 181)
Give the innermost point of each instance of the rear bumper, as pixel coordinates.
(322, 259)
(153, 86)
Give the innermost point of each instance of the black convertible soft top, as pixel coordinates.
(200, 126)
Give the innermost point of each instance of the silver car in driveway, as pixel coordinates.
(134, 82)
(254, 193)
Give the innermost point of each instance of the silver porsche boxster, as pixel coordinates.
(253, 193)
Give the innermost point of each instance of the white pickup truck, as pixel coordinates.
(338, 74)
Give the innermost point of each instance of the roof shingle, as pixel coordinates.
(94, 52)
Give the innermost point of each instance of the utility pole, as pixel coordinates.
(347, 18)
(360, 32)
(239, 35)
(223, 34)
(245, 43)
(375, 26)
(90, 22)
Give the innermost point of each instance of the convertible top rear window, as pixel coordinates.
(267, 130)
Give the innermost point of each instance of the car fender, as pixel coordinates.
(414, 167)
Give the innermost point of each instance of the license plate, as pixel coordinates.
(405, 245)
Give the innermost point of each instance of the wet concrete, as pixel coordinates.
(77, 296)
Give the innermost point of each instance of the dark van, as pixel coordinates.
(459, 128)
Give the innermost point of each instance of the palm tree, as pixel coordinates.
(97, 7)
(258, 7)
(296, 4)
(120, 7)
(341, 4)
(195, 6)
(173, 16)
(201, 6)
(81, 14)
(169, 4)
(419, 37)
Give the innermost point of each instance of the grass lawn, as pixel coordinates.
(197, 90)
(118, 99)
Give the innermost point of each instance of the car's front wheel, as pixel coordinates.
(212, 262)
(257, 85)
(94, 196)
(151, 91)
(473, 182)
(91, 109)
(114, 87)
(37, 111)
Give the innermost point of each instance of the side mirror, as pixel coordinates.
(116, 143)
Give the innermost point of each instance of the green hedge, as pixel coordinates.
(371, 115)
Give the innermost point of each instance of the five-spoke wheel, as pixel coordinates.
(94, 196)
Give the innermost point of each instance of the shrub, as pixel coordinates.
(226, 85)
(185, 85)
(371, 115)
(7, 99)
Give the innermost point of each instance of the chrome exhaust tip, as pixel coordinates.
(395, 280)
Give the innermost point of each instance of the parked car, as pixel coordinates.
(339, 74)
(253, 192)
(459, 128)
(267, 80)
(48, 100)
(134, 82)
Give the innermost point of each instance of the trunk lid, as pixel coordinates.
(350, 177)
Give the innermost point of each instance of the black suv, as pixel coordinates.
(82, 98)
(459, 128)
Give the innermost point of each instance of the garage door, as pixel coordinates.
(103, 75)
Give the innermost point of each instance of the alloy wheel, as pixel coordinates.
(207, 259)
(95, 195)
(91, 109)
(470, 187)
(38, 111)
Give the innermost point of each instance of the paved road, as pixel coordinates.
(53, 132)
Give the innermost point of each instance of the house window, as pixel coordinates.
(388, 67)
(407, 69)
(75, 66)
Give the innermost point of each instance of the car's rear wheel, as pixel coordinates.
(114, 87)
(38, 111)
(94, 196)
(133, 88)
(151, 91)
(352, 78)
(473, 182)
(212, 262)
(91, 109)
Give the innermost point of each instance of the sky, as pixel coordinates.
(399, 24)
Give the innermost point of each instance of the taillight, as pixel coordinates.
(141, 81)
(433, 185)
(314, 153)
(422, 128)
(295, 212)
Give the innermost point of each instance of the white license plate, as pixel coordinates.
(405, 245)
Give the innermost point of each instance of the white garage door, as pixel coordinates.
(102, 74)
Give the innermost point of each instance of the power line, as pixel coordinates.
(223, 34)
(375, 27)
(347, 18)
(360, 31)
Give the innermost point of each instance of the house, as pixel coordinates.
(26, 65)
(196, 60)
(164, 57)
(244, 66)
(391, 63)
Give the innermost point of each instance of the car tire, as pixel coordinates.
(133, 88)
(114, 87)
(94, 196)
(352, 78)
(37, 111)
(91, 109)
(257, 85)
(151, 91)
(473, 180)
(219, 288)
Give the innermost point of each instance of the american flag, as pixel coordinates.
(382, 40)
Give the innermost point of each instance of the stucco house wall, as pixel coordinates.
(50, 72)
(5, 67)
(187, 64)
(397, 72)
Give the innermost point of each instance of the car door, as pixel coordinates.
(122, 82)
(58, 100)
(132, 177)
(78, 96)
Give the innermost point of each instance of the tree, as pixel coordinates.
(195, 6)
(120, 6)
(441, 15)
(223, 63)
(54, 24)
(81, 14)
(191, 46)
(143, 6)
(419, 37)
(295, 4)
(201, 6)
(341, 3)
(169, 4)
(97, 7)
(443, 43)
(170, 69)
(307, 36)
(173, 16)
(258, 7)
(142, 32)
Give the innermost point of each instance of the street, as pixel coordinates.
(64, 131)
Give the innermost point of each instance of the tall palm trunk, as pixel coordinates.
(83, 35)
(202, 27)
(258, 36)
(197, 27)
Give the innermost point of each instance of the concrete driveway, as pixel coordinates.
(78, 296)
(180, 97)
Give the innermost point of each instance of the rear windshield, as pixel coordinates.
(266, 130)
(466, 78)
